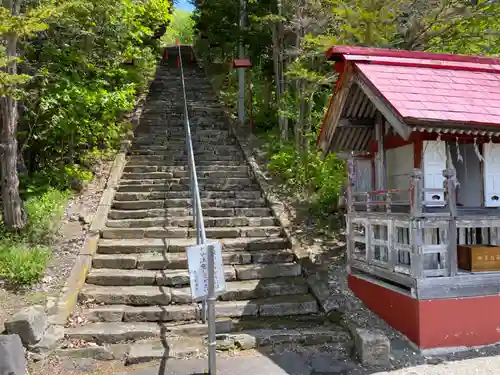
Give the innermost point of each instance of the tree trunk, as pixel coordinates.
(278, 80)
(13, 215)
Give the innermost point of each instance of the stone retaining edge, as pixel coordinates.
(68, 296)
(317, 281)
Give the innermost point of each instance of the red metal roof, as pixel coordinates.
(242, 63)
(427, 87)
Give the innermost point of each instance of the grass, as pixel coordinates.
(25, 255)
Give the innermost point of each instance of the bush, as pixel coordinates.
(24, 256)
(44, 213)
(20, 264)
(320, 180)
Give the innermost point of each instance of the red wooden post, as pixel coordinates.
(165, 54)
(242, 64)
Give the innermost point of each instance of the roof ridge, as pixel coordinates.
(338, 52)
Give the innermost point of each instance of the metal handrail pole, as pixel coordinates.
(200, 233)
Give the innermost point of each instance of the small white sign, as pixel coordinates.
(197, 257)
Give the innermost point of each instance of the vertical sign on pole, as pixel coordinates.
(206, 276)
(241, 65)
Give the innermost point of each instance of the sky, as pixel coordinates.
(184, 5)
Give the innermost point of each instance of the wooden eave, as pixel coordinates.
(356, 99)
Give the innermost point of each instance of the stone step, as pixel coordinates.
(209, 203)
(164, 349)
(201, 170)
(127, 277)
(338, 340)
(222, 173)
(163, 260)
(180, 136)
(214, 150)
(176, 232)
(212, 176)
(168, 185)
(167, 179)
(135, 186)
(112, 333)
(145, 295)
(178, 278)
(151, 149)
(301, 304)
(206, 157)
(127, 197)
(177, 245)
(140, 146)
(180, 212)
(188, 222)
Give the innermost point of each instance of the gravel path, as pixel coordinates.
(477, 366)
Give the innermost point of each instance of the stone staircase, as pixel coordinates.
(138, 287)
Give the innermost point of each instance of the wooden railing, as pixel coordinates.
(378, 200)
(406, 247)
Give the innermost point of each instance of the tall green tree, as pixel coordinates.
(82, 64)
(181, 28)
(16, 22)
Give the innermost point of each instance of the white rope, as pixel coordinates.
(459, 156)
(476, 150)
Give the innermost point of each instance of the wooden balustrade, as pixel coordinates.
(406, 245)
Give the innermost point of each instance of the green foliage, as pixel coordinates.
(181, 28)
(307, 174)
(44, 212)
(88, 66)
(456, 26)
(24, 256)
(21, 265)
(83, 64)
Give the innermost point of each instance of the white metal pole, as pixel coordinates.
(241, 71)
(212, 343)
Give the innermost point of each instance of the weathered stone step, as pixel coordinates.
(167, 185)
(188, 222)
(223, 173)
(127, 277)
(171, 143)
(135, 186)
(337, 339)
(185, 168)
(211, 203)
(145, 295)
(180, 212)
(166, 155)
(176, 278)
(171, 348)
(208, 157)
(163, 260)
(176, 232)
(111, 333)
(128, 197)
(301, 304)
(167, 179)
(177, 245)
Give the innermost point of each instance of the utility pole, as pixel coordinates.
(241, 72)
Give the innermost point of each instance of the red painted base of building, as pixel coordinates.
(430, 324)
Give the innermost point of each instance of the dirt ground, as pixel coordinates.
(74, 226)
